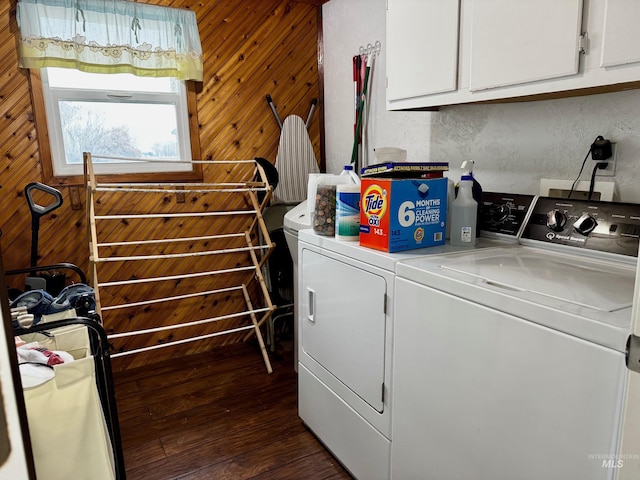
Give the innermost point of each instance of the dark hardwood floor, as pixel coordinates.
(219, 416)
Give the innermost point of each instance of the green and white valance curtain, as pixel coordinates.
(110, 36)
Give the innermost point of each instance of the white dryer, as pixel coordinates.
(345, 304)
(511, 363)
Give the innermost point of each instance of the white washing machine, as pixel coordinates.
(511, 362)
(345, 305)
(296, 219)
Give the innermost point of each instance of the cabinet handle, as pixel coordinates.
(311, 305)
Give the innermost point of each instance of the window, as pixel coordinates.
(131, 125)
(76, 108)
(116, 115)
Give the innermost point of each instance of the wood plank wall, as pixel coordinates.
(251, 48)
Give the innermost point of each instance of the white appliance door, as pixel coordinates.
(585, 297)
(628, 459)
(478, 393)
(344, 329)
(596, 285)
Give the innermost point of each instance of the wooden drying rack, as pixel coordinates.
(171, 260)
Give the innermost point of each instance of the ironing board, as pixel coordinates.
(295, 161)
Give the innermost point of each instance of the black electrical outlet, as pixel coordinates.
(601, 149)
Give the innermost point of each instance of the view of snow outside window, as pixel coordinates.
(114, 115)
(118, 130)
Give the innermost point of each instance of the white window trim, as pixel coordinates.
(118, 166)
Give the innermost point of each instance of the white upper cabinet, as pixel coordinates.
(422, 47)
(621, 19)
(520, 41)
(509, 49)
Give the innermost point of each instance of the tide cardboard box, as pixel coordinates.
(402, 214)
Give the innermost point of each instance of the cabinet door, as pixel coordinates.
(620, 25)
(520, 41)
(422, 47)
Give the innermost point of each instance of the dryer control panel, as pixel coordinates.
(587, 224)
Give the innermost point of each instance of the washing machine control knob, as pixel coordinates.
(556, 220)
(585, 224)
(499, 213)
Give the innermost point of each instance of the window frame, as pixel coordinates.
(44, 144)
